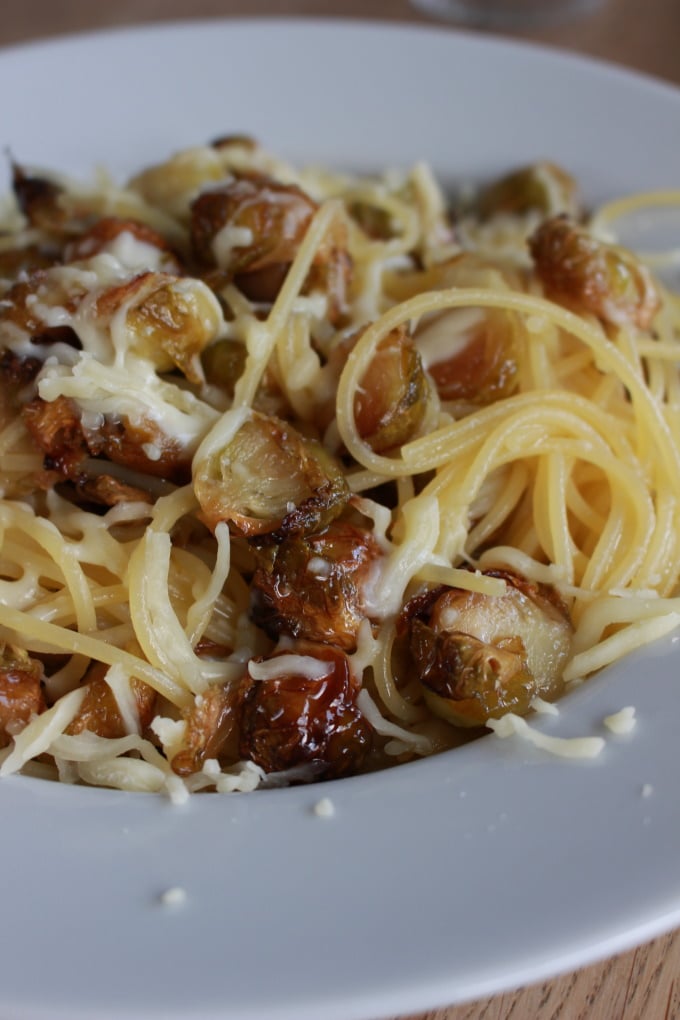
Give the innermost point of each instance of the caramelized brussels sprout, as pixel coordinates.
(58, 430)
(24, 304)
(270, 480)
(21, 695)
(250, 224)
(541, 187)
(27, 259)
(107, 491)
(590, 276)
(305, 714)
(39, 200)
(223, 363)
(99, 712)
(210, 722)
(471, 357)
(169, 319)
(466, 681)
(313, 587)
(391, 400)
(140, 446)
(480, 656)
(112, 230)
(16, 371)
(252, 229)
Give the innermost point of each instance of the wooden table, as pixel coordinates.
(643, 984)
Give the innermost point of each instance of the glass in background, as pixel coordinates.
(507, 13)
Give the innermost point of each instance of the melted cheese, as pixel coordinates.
(228, 239)
(290, 665)
(133, 391)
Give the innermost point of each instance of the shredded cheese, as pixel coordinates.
(563, 747)
(622, 721)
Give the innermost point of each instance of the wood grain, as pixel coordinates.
(643, 984)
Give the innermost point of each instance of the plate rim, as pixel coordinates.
(614, 943)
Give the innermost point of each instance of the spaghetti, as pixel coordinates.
(303, 475)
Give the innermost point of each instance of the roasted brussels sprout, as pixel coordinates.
(39, 200)
(252, 228)
(23, 306)
(223, 363)
(210, 722)
(58, 429)
(21, 695)
(225, 142)
(99, 712)
(471, 356)
(169, 319)
(25, 260)
(140, 446)
(589, 276)
(481, 656)
(106, 491)
(15, 372)
(55, 428)
(249, 224)
(375, 221)
(110, 231)
(305, 714)
(391, 400)
(270, 480)
(542, 187)
(314, 587)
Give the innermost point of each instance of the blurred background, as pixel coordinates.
(644, 36)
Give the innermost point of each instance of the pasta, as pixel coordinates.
(305, 473)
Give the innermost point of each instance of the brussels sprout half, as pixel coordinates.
(480, 656)
(589, 276)
(270, 480)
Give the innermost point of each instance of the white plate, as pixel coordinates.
(439, 881)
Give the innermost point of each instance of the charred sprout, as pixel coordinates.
(67, 442)
(169, 320)
(39, 199)
(21, 694)
(480, 656)
(209, 724)
(223, 363)
(391, 400)
(590, 276)
(252, 227)
(314, 587)
(111, 230)
(269, 479)
(304, 716)
(471, 354)
(99, 712)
